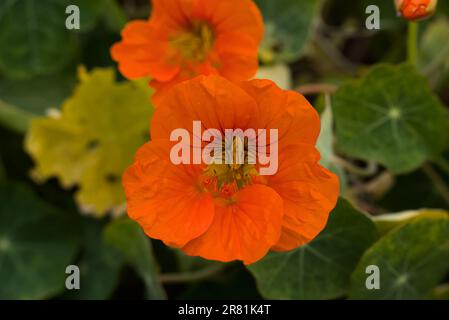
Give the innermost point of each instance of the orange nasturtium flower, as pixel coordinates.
(229, 211)
(186, 38)
(416, 9)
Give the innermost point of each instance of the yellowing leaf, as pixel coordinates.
(93, 139)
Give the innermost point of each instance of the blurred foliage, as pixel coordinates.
(129, 239)
(37, 242)
(384, 132)
(286, 32)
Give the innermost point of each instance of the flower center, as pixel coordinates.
(232, 168)
(195, 42)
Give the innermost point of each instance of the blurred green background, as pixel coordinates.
(61, 201)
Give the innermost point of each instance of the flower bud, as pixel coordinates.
(416, 9)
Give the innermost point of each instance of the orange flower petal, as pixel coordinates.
(287, 111)
(241, 16)
(244, 230)
(174, 14)
(164, 198)
(218, 103)
(142, 52)
(309, 192)
(237, 56)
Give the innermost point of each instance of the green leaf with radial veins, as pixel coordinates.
(390, 116)
(287, 28)
(412, 260)
(322, 268)
(37, 243)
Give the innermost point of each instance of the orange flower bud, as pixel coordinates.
(416, 9)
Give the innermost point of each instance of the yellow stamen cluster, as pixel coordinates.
(195, 42)
(239, 172)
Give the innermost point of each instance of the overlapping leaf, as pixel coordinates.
(126, 236)
(322, 268)
(388, 222)
(94, 138)
(99, 264)
(412, 259)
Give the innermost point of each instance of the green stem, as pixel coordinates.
(154, 288)
(13, 118)
(2, 171)
(190, 276)
(443, 164)
(412, 43)
(437, 181)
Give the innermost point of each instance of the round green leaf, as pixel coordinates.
(287, 27)
(322, 268)
(411, 259)
(37, 243)
(390, 116)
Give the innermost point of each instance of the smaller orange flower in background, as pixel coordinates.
(186, 38)
(229, 212)
(416, 9)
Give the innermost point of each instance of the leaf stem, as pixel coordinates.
(316, 88)
(368, 171)
(2, 171)
(412, 43)
(437, 181)
(13, 118)
(191, 276)
(443, 164)
(154, 288)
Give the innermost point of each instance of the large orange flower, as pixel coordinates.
(228, 211)
(186, 38)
